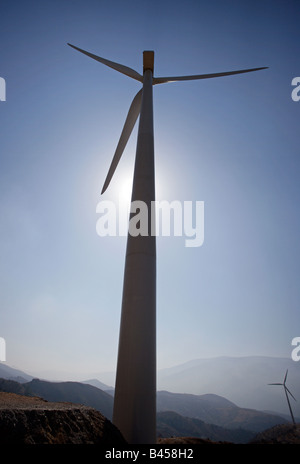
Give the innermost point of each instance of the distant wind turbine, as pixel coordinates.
(135, 393)
(287, 393)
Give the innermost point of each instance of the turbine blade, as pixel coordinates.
(132, 116)
(118, 67)
(290, 393)
(163, 80)
(275, 383)
(285, 377)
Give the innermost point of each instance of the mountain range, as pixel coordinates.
(214, 409)
(72, 392)
(205, 416)
(171, 424)
(242, 380)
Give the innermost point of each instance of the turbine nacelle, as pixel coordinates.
(148, 61)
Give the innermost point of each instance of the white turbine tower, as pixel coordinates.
(135, 393)
(287, 393)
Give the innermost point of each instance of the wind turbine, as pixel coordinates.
(287, 391)
(135, 391)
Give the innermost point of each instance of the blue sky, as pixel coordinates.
(231, 142)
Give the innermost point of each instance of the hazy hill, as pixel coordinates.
(7, 372)
(12, 386)
(98, 384)
(171, 424)
(13, 380)
(243, 380)
(74, 392)
(214, 409)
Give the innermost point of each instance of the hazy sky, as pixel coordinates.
(231, 142)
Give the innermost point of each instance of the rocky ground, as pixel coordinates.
(279, 434)
(31, 420)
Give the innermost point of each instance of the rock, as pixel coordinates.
(31, 420)
(280, 434)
